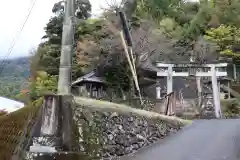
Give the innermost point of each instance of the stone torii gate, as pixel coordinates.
(211, 70)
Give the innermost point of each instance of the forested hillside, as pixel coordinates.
(13, 75)
(167, 30)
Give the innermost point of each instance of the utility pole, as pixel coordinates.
(56, 122)
(64, 81)
(65, 77)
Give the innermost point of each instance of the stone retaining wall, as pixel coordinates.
(98, 134)
(109, 135)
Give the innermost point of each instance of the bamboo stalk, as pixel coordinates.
(133, 60)
(104, 106)
(131, 66)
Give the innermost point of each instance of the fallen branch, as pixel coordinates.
(104, 106)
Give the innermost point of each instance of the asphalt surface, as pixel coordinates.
(202, 140)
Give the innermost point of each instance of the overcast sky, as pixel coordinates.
(12, 16)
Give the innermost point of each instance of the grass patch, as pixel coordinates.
(231, 108)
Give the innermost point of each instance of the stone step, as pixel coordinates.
(42, 149)
(185, 108)
(187, 115)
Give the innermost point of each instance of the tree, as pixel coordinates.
(51, 49)
(181, 11)
(100, 38)
(43, 83)
(225, 37)
(178, 19)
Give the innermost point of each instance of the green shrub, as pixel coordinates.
(231, 108)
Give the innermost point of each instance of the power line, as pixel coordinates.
(17, 37)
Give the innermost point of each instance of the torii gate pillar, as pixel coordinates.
(216, 93)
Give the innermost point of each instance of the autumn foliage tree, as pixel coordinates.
(50, 50)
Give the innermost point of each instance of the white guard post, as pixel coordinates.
(212, 72)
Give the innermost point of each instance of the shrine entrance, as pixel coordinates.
(210, 71)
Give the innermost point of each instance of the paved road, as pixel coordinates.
(203, 140)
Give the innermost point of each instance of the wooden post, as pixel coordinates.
(170, 79)
(90, 90)
(234, 72)
(174, 102)
(101, 92)
(199, 89)
(219, 88)
(229, 94)
(158, 91)
(216, 92)
(167, 106)
(160, 107)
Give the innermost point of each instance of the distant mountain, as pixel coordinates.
(13, 74)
